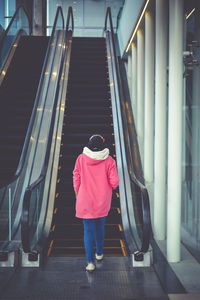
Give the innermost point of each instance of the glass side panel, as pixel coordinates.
(10, 195)
(191, 138)
(19, 22)
(39, 194)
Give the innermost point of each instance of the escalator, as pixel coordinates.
(17, 95)
(93, 102)
(88, 111)
(28, 84)
(93, 99)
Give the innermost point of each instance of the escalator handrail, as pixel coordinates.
(2, 31)
(13, 19)
(70, 14)
(34, 111)
(20, 31)
(48, 149)
(144, 193)
(29, 189)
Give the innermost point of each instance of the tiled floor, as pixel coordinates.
(66, 278)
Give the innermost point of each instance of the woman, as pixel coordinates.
(94, 178)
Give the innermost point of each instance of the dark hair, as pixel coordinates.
(96, 142)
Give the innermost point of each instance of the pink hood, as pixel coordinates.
(94, 177)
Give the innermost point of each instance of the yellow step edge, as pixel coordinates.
(50, 248)
(123, 248)
(82, 247)
(118, 210)
(120, 227)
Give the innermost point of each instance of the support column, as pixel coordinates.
(195, 163)
(175, 129)
(129, 71)
(149, 99)
(39, 17)
(134, 82)
(159, 219)
(140, 92)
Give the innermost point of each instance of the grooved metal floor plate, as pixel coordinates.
(65, 278)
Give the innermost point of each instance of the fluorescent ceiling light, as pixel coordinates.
(187, 16)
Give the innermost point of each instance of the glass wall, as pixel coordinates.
(89, 15)
(191, 131)
(7, 10)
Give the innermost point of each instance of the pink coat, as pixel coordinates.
(94, 180)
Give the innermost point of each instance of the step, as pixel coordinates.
(90, 102)
(87, 119)
(115, 243)
(75, 108)
(89, 128)
(84, 137)
(76, 231)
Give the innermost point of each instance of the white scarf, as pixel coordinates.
(98, 155)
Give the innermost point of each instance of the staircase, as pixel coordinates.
(17, 95)
(88, 111)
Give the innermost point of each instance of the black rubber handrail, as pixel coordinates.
(146, 223)
(70, 14)
(34, 111)
(25, 230)
(2, 31)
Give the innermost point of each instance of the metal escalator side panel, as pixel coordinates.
(49, 67)
(46, 192)
(52, 170)
(124, 185)
(10, 202)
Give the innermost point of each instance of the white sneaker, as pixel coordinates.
(90, 267)
(99, 257)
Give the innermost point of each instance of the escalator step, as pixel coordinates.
(80, 243)
(80, 251)
(84, 137)
(89, 128)
(76, 231)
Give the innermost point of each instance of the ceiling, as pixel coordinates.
(89, 15)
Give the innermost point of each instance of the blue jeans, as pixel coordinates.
(93, 233)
